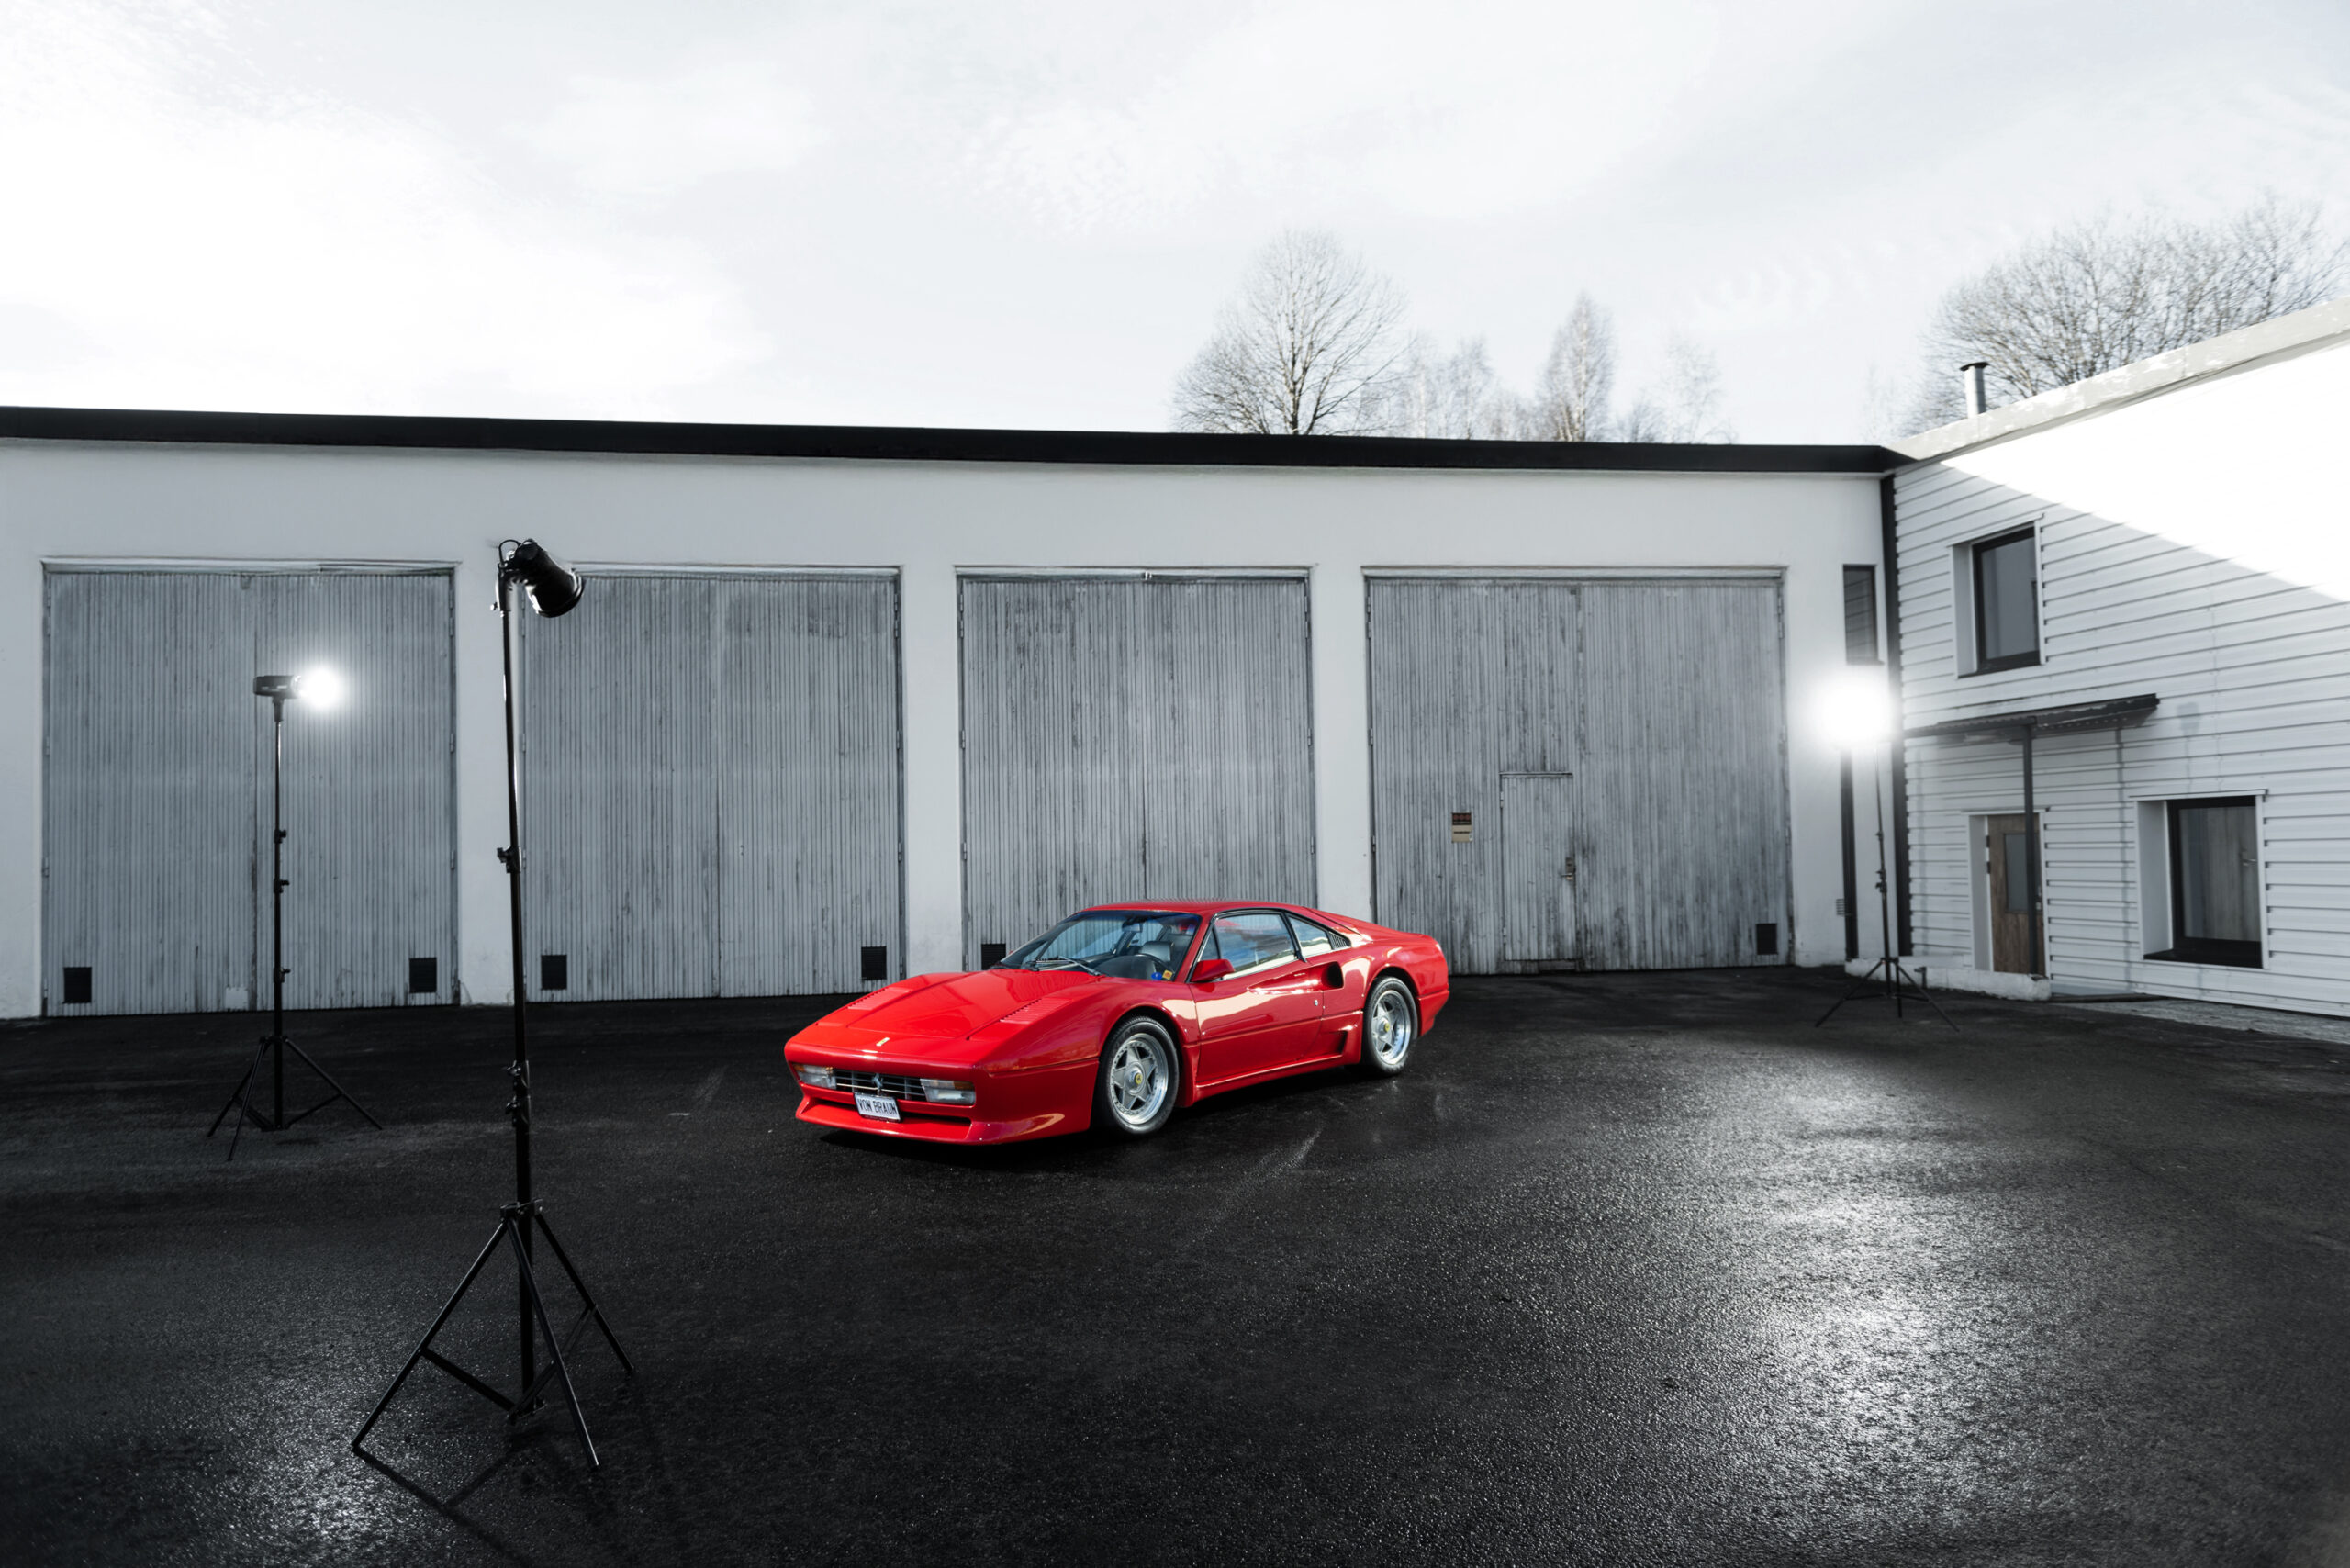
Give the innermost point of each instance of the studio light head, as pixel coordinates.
(320, 685)
(554, 588)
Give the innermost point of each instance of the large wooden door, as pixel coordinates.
(2005, 850)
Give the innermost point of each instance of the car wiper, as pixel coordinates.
(1067, 964)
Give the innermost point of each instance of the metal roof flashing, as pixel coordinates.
(916, 444)
(2317, 328)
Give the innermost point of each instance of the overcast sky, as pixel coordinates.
(1026, 213)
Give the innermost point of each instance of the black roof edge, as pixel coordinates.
(910, 444)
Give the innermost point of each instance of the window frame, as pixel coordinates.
(1976, 551)
(2223, 952)
(1281, 915)
(1876, 635)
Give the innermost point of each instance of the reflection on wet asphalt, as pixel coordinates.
(1626, 1268)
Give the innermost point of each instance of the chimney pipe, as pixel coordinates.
(1970, 377)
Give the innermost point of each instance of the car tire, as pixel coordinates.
(1141, 1072)
(1391, 1027)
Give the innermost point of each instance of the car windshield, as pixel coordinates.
(1129, 944)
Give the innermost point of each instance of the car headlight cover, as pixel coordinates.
(814, 1077)
(947, 1092)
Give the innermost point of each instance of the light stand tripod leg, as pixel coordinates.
(555, 1345)
(237, 1096)
(424, 1345)
(340, 1092)
(585, 1300)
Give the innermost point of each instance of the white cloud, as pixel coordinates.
(650, 137)
(202, 242)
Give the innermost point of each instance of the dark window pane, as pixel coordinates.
(1254, 940)
(2007, 610)
(873, 963)
(2018, 850)
(1860, 615)
(555, 972)
(2219, 872)
(423, 976)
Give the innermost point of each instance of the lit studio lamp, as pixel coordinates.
(1857, 717)
(553, 588)
(321, 689)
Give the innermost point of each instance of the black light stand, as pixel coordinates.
(553, 588)
(1899, 984)
(274, 1045)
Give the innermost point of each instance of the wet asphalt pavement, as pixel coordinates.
(1631, 1269)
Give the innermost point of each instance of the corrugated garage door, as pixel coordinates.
(156, 790)
(1580, 773)
(712, 786)
(1132, 738)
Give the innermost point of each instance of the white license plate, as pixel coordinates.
(878, 1106)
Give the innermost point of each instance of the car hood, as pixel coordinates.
(956, 1007)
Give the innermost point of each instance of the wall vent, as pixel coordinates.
(991, 954)
(1767, 938)
(77, 985)
(877, 963)
(423, 976)
(555, 972)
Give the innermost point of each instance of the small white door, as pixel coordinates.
(1537, 867)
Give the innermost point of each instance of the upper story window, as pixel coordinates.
(1859, 616)
(2005, 580)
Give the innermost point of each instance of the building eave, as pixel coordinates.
(2311, 330)
(917, 444)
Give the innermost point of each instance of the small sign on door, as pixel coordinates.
(1463, 829)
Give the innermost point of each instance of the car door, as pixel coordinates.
(1268, 1012)
(1342, 975)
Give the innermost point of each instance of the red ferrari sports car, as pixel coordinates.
(1117, 1016)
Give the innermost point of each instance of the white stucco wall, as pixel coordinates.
(132, 501)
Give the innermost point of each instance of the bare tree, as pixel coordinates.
(2097, 295)
(1303, 351)
(1434, 394)
(1571, 401)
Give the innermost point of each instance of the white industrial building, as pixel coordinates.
(843, 704)
(2144, 577)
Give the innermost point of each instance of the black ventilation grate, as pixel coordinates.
(77, 985)
(555, 972)
(876, 963)
(423, 976)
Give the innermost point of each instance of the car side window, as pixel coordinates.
(1253, 939)
(1312, 940)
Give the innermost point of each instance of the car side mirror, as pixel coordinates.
(1207, 971)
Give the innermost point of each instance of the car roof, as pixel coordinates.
(1214, 906)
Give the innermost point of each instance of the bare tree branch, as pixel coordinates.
(1303, 350)
(2097, 295)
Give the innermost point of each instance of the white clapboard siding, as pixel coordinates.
(2254, 678)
